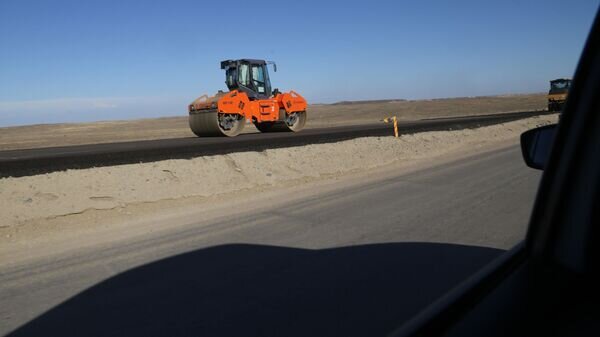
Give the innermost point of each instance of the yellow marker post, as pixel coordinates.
(395, 121)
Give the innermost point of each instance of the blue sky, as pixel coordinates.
(69, 61)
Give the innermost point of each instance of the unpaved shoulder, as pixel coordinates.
(28, 202)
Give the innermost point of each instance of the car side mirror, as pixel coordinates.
(536, 145)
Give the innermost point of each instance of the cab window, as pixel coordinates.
(258, 78)
(243, 72)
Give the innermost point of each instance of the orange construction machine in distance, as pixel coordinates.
(250, 98)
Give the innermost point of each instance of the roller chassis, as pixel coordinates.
(225, 114)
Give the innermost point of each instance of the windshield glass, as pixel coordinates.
(559, 86)
(244, 75)
(378, 168)
(230, 77)
(258, 78)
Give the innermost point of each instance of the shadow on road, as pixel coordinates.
(253, 290)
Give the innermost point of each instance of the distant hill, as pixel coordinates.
(369, 101)
(431, 99)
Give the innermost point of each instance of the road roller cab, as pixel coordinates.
(249, 76)
(250, 98)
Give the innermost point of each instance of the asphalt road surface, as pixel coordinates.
(357, 260)
(44, 160)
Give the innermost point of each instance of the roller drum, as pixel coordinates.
(209, 123)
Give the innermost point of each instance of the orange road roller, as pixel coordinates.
(250, 98)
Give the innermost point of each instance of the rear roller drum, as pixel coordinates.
(296, 121)
(293, 122)
(211, 123)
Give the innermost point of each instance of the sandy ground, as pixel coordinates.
(37, 205)
(481, 200)
(320, 115)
